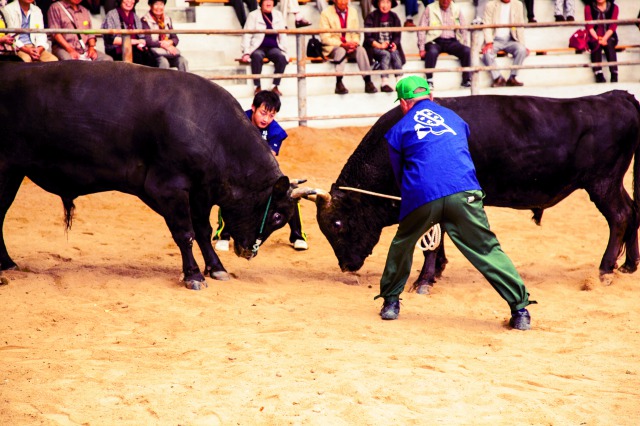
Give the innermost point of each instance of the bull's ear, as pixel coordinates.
(281, 188)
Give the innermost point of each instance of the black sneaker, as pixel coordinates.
(614, 77)
(600, 78)
(390, 310)
(520, 320)
(465, 83)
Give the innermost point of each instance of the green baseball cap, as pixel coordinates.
(406, 88)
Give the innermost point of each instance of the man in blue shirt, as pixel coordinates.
(430, 158)
(264, 108)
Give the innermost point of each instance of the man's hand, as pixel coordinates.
(91, 53)
(422, 53)
(73, 53)
(32, 51)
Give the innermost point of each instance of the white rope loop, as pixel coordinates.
(431, 239)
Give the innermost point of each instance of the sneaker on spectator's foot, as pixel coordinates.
(431, 86)
(302, 23)
(465, 83)
(222, 245)
(532, 20)
(559, 18)
(570, 18)
(409, 23)
(600, 78)
(499, 82)
(512, 82)
(477, 21)
(614, 77)
(369, 87)
(386, 88)
(340, 89)
(390, 310)
(276, 91)
(300, 245)
(520, 320)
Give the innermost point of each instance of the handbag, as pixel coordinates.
(160, 51)
(579, 40)
(314, 48)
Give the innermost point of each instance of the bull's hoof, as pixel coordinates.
(628, 268)
(195, 284)
(220, 275)
(606, 279)
(424, 289)
(9, 267)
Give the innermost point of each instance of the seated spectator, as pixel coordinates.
(238, 7)
(6, 43)
(162, 46)
(602, 37)
(262, 114)
(293, 7)
(29, 47)
(511, 39)
(340, 46)
(411, 9)
(432, 43)
(528, 4)
(384, 47)
(564, 10)
(124, 17)
(69, 14)
(480, 5)
(259, 46)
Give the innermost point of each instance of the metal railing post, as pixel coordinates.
(127, 48)
(301, 61)
(476, 39)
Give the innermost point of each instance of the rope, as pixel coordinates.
(429, 241)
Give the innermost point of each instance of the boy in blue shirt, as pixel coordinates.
(432, 164)
(264, 108)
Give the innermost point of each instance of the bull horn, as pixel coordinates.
(296, 182)
(319, 194)
(303, 192)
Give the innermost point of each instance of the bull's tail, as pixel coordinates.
(69, 208)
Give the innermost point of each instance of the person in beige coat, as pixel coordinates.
(340, 46)
(510, 40)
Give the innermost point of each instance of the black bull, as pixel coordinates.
(529, 153)
(177, 141)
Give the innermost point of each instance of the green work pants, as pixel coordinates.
(463, 218)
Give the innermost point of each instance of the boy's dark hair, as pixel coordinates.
(270, 100)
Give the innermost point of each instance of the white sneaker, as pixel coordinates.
(222, 245)
(477, 21)
(301, 245)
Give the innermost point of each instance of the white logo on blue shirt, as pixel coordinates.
(428, 121)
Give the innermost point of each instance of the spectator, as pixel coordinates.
(340, 46)
(480, 5)
(511, 39)
(411, 9)
(262, 114)
(259, 46)
(69, 14)
(163, 47)
(384, 47)
(564, 10)
(124, 17)
(430, 137)
(602, 37)
(6, 43)
(29, 47)
(528, 4)
(238, 6)
(434, 42)
(292, 6)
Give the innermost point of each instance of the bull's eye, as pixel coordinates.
(337, 225)
(277, 218)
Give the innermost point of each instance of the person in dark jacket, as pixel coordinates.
(384, 47)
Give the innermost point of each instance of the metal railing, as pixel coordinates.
(301, 60)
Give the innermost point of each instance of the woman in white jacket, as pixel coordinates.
(256, 47)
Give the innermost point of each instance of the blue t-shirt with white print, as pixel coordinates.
(430, 155)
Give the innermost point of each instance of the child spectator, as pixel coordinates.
(262, 114)
(384, 47)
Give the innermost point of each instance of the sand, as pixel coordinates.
(96, 329)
